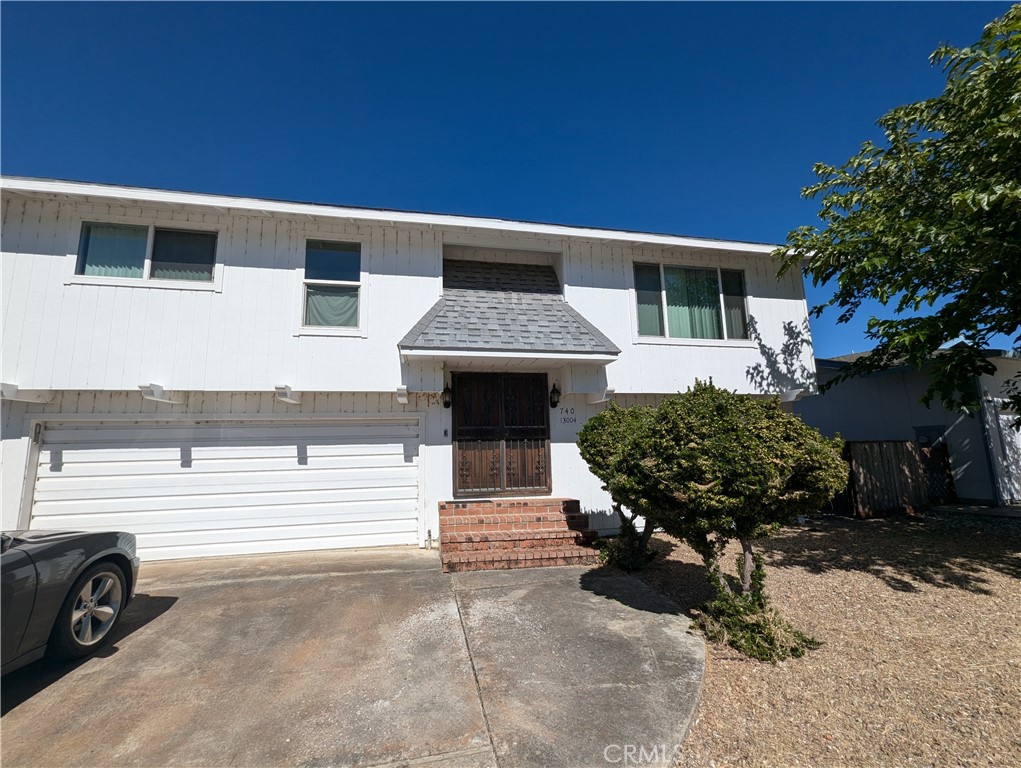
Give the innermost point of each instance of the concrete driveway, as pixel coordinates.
(368, 657)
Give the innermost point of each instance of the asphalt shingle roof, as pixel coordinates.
(504, 308)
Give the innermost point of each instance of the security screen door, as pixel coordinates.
(501, 434)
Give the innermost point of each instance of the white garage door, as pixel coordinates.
(189, 490)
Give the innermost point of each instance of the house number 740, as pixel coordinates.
(567, 416)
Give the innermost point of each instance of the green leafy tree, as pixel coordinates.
(929, 223)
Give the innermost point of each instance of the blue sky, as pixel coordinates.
(695, 119)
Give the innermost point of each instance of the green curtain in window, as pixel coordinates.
(112, 250)
(331, 306)
(693, 303)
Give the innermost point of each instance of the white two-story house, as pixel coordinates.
(226, 375)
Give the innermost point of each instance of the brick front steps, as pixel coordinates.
(514, 533)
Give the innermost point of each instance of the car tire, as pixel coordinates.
(90, 611)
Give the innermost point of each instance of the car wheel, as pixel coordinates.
(90, 611)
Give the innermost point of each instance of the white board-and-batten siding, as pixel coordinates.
(66, 334)
(244, 333)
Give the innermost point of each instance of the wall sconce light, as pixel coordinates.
(448, 396)
(554, 396)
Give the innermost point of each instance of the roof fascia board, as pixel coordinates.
(255, 205)
(508, 355)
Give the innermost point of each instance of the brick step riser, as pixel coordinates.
(508, 529)
(493, 517)
(568, 551)
(477, 535)
(506, 546)
(549, 506)
(500, 565)
(493, 533)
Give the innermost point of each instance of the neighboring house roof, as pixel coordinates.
(845, 358)
(840, 361)
(493, 307)
(35, 186)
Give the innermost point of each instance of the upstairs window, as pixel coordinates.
(112, 250)
(180, 255)
(690, 302)
(141, 252)
(734, 313)
(333, 274)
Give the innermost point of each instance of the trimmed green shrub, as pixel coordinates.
(710, 466)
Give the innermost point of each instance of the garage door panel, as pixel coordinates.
(298, 515)
(226, 482)
(272, 532)
(169, 519)
(391, 493)
(192, 467)
(73, 455)
(222, 489)
(224, 549)
(163, 434)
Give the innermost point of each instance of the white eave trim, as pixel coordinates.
(264, 207)
(14, 392)
(446, 354)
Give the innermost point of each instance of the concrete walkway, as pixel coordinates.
(574, 668)
(369, 657)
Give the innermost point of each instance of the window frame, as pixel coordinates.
(146, 280)
(639, 338)
(362, 285)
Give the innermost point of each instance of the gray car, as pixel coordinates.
(62, 592)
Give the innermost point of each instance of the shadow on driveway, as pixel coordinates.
(21, 685)
(616, 585)
(670, 586)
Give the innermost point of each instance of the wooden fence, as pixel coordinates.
(886, 476)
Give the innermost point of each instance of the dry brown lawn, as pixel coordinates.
(920, 620)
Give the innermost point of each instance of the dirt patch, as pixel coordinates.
(921, 663)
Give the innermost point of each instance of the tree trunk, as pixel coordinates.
(724, 585)
(711, 560)
(647, 534)
(748, 568)
(627, 523)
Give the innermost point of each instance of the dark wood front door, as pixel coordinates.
(501, 434)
